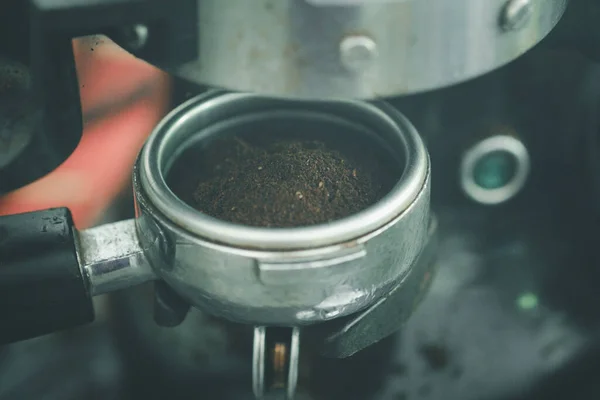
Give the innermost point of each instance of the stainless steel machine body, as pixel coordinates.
(360, 48)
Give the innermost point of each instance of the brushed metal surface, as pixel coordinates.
(361, 49)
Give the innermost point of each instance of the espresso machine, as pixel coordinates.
(473, 278)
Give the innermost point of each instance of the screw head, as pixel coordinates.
(358, 52)
(516, 14)
(136, 36)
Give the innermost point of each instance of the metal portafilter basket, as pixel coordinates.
(326, 282)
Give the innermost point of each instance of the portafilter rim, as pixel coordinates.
(374, 217)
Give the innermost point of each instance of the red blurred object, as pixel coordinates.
(123, 98)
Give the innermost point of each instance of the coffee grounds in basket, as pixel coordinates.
(287, 183)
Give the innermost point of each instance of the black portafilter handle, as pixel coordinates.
(42, 288)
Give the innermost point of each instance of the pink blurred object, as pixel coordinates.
(123, 98)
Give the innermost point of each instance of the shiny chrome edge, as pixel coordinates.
(414, 178)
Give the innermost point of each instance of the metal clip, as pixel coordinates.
(275, 362)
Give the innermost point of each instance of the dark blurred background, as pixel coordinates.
(512, 313)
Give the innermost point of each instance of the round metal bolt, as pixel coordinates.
(516, 14)
(358, 52)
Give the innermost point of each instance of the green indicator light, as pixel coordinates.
(527, 301)
(495, 170)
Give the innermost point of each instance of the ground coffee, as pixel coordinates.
(283, 182)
